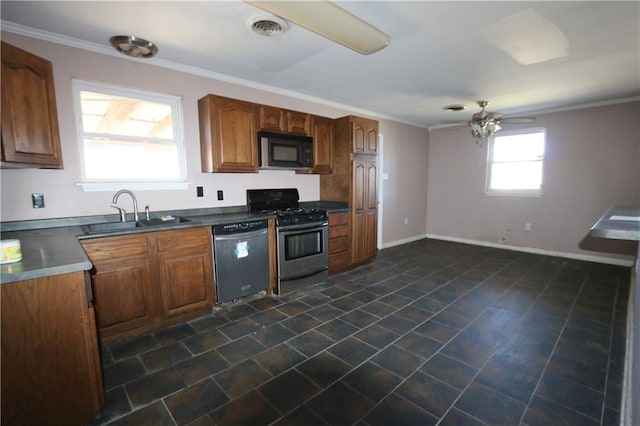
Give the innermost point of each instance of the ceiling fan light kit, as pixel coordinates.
(483, 124)
(328, 20)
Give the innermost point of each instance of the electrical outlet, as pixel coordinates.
(220, 195)
(199, 191)
(406, 220)
(527, 226)
(37, 200)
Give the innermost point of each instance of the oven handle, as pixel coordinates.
(298, 228)
(240, 235)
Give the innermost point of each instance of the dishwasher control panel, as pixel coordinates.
(238, 227)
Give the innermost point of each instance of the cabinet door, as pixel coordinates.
(322, 132)
(228, 141)
(122, 283)
(298, 123)
(365, 203)
(50, 360)
(185, 265)
(358, 212)
(271, 119)
(371, 220)
(30, 136)
(364, 136)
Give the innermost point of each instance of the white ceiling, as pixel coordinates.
(441, 53)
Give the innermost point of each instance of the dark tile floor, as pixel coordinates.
(431, 332)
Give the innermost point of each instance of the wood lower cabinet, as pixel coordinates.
(186, 271)
(50, 358)
(30, 134)
(354, 180)
(227, 135)
(122, 283)
(148, 281)
(339, 241)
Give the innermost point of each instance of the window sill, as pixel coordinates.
(134, 186)
(513, 193)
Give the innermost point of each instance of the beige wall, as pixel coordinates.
(592, 161)
(64, 198)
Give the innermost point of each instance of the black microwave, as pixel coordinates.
(287, 152)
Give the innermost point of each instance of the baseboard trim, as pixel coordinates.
(404, 241)
(575, 256)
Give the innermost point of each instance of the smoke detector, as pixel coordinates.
(267, 25)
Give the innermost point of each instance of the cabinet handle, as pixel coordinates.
(88, 289)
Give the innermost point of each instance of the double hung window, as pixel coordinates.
(130, 136)
(515, 163)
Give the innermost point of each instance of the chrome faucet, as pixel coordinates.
(133, 197)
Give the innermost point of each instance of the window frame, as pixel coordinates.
(174, 101)
(516, 192)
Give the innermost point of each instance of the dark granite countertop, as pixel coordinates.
(52, 246)
(619, 223)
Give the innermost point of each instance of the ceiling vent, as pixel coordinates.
(267, 25)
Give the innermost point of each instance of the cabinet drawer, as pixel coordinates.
(341, 218)
(115, 247)
(182, 238)
(338, 231)
(339, 245)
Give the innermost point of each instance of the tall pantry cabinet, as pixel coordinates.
(354, 180)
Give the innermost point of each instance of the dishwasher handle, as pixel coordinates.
(240, 235)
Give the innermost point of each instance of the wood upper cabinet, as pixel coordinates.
(354, 180)
(322, 132)
(228, 141)
(147, 281)
(279, 120)
(364, 135)
(186, 270)
(30, 135)
(50, 358)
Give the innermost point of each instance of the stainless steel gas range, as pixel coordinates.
(302, 237)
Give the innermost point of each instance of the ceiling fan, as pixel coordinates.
(485, 123)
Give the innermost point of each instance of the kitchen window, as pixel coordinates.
(129, 137)
(515, 163)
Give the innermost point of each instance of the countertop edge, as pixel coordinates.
(605, 227)
(53, 246)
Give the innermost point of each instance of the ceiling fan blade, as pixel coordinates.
(518, 120)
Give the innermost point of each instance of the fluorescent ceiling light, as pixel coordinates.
(330, 21)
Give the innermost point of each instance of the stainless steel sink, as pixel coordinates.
(158, 221)
(98, 228)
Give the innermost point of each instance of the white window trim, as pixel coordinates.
(513, 192)
(90, 185)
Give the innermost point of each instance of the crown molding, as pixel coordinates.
(107, 50)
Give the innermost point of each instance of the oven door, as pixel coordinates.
(302, 253)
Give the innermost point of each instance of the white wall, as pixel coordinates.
(592, 161)
(63, 198)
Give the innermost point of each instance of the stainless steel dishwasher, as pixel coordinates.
(241, 257)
